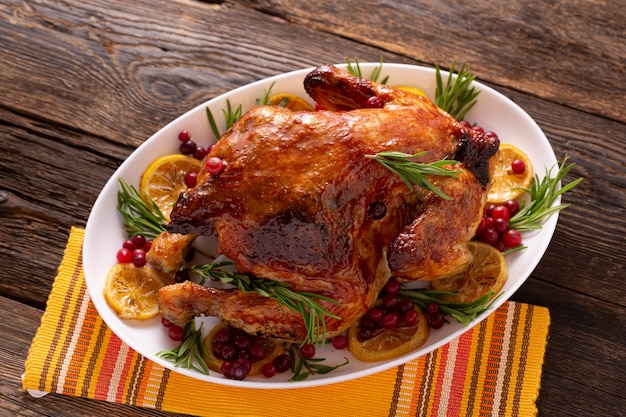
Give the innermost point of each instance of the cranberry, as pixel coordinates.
(390, 320)
(466, 124)
(340, 342)
(518, 166)
(181, 276)
(226, 368)
(375, 314)
(176, 332)
(500, 225)
(411, 317)
(478, 129)
(139, 241)
(245, 363)
(500, 246)
(490, 237)
(432, 308)
(308, 350)
(512, 238)
(229, 351)
(242, 341)
(166, 323)
(392, 287)
(390, 302)
(374, 103)
(187, 148)
(214, 165)
(191, 179)
(124, 256)
(282, 363)
(364, 334)
(147, 246)
(513, 207)
(489, 209)
(257, 352)
(378, 210)
(436, 320)
(405, 305)
(482, 226)
(139, 258)
(221, 336)
(199, 153)
(500, 212)
(268, 370)
(128, 244)
(491, 134)
(184, 136)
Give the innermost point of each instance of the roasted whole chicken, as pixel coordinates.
(300, 201)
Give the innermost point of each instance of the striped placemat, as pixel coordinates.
(492, 370)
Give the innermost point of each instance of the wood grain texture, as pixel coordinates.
(551, 49)
(85, 82)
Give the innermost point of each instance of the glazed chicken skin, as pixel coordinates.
(301, 201)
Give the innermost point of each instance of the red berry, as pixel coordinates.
(405, 305)
(489, 209)
(187, 148)
(214, 165)
(512, 238)
(411, 317)
(340, 342)
(478, 129)
(491, 134)
(124, 256)
(282, 363)
(199, 153)
(500, 212)
(166, 323)
(128, 244)
(375, 314)
(482, 226)
(500, 225)
(392, 287)
(257, 352)
(147, 246)
(466, 124)
(390, 302)
(308, 350)
(436, 320)
(268, 370)
(184, 136)
(490, 237)
(374, 103)
(432, 308)
(191, 179)
(139, 241)
(176, 333)
(518, 166)
(139, 258)
(390, 320)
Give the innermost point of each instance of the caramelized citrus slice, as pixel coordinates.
(164, 180)
(289, 101)
(413, 90)
(506, 184)
(132, 292)
(487, 272)
(386, 344)
(272, 348)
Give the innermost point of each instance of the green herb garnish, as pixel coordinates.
(140, 217)
(311, 366)
(463, 312)
(230, 116)
(304, 303)
(190, 354)
(542, 194)
(413, 173)
(356, 70)
(458, 96)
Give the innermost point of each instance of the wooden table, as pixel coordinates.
(83, 83)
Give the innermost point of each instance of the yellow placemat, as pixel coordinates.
(492, 370)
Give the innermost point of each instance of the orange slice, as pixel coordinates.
(272, 348)
(164, 180)
(289, 101)
(132, 292)
(413, 90)
(487, 272)
(388, 344)
(506, 184)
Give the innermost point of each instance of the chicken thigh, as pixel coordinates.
(300, 200)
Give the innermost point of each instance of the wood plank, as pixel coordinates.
(570, 52)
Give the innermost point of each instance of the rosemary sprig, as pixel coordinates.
(414, 173)
(304, 303)
(542, 194)
(458, 97)
(190, 353)
(230, 116)
(311, 366)
(463, 312)
(140, 217)
(266, 97)
(356, 70)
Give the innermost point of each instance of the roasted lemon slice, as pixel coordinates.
(385, 344)
(413, 90)
(132, 292)
(289, 101)
(487, 272)
(164, 180)
(507, 178)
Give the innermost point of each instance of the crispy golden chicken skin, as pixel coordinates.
(299, 201)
